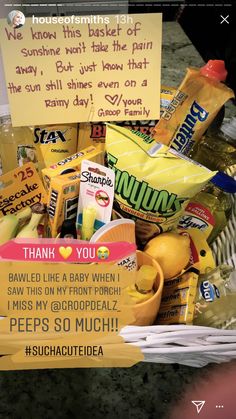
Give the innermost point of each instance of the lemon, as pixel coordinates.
(171, 251)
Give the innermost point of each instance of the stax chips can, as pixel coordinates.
(54, 143)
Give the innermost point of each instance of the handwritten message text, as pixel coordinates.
(88, 72)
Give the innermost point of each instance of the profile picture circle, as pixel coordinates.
(16, 19)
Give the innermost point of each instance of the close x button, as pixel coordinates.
(224, 19)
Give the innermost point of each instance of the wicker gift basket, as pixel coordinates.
(194, 346)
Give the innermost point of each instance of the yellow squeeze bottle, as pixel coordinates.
(89, 216)
(142, 290)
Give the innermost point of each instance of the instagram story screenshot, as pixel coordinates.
(117, 209)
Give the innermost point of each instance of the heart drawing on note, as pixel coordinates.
(112, 99)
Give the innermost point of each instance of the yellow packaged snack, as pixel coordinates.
(176, 314)
(180, 290)
(62, 201)
(196, 103)
(179, 296)
(20, 188)
(72, 163)
(145, 188)
(178, 300)
(92, 133)
(184, 280)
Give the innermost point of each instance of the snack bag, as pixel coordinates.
(93, 133)
(153, 184)
(196, 103)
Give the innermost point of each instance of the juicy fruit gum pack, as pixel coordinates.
(177, 304)
(194, 106)
(152, 183)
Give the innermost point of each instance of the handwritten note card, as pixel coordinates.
(57, 73)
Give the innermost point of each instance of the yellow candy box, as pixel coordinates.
(62, 201)
(72, 163)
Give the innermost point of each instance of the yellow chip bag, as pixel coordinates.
(152, 182)
(194, 106)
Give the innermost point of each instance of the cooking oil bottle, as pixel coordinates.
(217, 151)
(210, 210)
